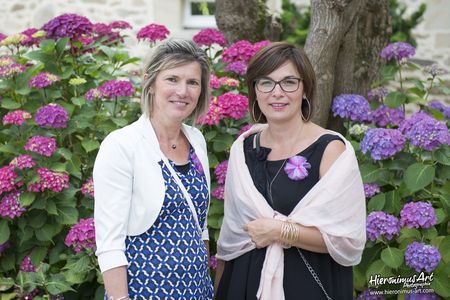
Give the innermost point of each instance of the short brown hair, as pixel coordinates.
(171, 54)
(267, 60)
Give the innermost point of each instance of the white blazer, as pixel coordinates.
(129, 187)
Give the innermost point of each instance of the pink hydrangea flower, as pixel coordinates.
(6, 61)
(152, 33)
(221, 172)
(296, 167)
(120, 25)
(239, 51)
(210, 36)
(93, 94)
(42, 145)
(233, 105)
(27, 265)
(50, 180)
(11, 70)
(82, 235)
(43, 80)
(237, 67)
(88, 188)
(23, 161)
(7, 179)
(116, 88)
(10, 206)
(261, 44)
(228, 81)
(218, 192)
(214, 114)
(214, 81)
(17, 117)
(213, 262)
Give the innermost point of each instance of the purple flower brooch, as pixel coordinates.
(296, 167)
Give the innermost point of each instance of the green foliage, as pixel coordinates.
(403, 25)
(295, 23)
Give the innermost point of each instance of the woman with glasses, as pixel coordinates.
(294, 219)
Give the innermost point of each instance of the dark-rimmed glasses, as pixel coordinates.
(288, 85)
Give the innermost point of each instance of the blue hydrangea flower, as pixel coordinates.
(379, 223)
(441, 107)
(398, 51)
(420, 256)
(382, 143)
(351, 106)
(428, 133)
(417, 215)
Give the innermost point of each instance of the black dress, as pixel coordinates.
(241, 276)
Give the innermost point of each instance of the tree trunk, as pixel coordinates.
(246, 20)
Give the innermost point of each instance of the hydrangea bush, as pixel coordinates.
(404, 160)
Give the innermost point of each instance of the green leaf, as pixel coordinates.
(61, 45)
(4, 231)
(26, 198)
(442, 155)
(392, 257)
(444, 249)
(378, 267)
(47, 46)
(377, 202)
(210, 135)
(38, 254)
(10, 104)
(67, 215)
(395, 99)
(5, 284)
(407, 233)
(440, 285)
(119, 121)
(57, 285)
(78, 101)
(65, 153)
(222, 142)
(51, 207)
(430, 233)
(8, 149)
(419, 176)
(371, 173)
(59, 167)
(90, 145)
(393, 204)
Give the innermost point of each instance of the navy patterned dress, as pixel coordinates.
(170, 260)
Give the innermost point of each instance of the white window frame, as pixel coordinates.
(190, 21)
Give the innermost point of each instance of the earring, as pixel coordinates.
(253, 112)
(309, 110)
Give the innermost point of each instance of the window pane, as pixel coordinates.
(197, 8)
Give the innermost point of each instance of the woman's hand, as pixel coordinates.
(264, 232)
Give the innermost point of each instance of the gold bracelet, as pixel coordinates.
(290, 233)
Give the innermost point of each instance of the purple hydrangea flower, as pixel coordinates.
(11, 70)
(116, 88)
(68, 25)
(93, 94)
(218, 192)
(420, 256)
(371, 189)
(27, 265)
(213, 262)
(50, 180)
(351, 106)
(221, 172)
(4, 246)
(417, 215)
(16, 117)
(369, 295)
(428, 134)
(209, 36)
(23, 161)
(197, 163)
(379, 223)
(237, 67)
(87, 188)
(120, 25)
(422, 296)
(398, 51)
(377, 93)
(296, 167)
(152, 33)
(384, 115)
(440, 107)
(42, 145)
(52, 115)
(30, 40)
(382, 143)
(7, 179)
(239, 51)
(42, 80)
(10, 206)
(82, 235)
(407, 124)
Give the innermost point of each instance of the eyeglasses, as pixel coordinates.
(288, 85)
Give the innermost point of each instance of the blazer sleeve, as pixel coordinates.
(113, 178)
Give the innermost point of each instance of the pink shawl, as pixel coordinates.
(335, 205)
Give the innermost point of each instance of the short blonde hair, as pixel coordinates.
(171, 54)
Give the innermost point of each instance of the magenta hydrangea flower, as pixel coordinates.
(87, 188)
(228, 81)
(417, 215)
(2, 36)
(371, 189)
(30, 40)
(382, 143)
(420, 256)
(377, 93)
(42, 145)
(398, 51)
(152, 33)
(23, 161)
(239, 51)
(17, 117)
(11, 70)
(214, 82)
(214, 115)
(296, 167)
(221, 172)
(237, 67)
(68, 25)
(52, 115)
(445, 109)
(213, 262)
(261, 44)
(384, 115)
(428, 134)
(10, 206)
(233, 105)
(210, 36)
(93, 94)
(116, 88)
(27, 265)
(102, 30)
(50, 180)
(42, 80)
(218, 192)
(120, 25)
(379, 223)
(351, 106)
(197, 163)
(7, 179)
(82, 235)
